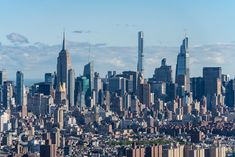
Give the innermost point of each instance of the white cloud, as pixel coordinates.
(17, 38)
(193, 60)
(116, 61)
(36, 59)
(216, 58)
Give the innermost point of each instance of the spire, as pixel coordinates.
(63, 48)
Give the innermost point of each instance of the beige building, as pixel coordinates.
(174, 151)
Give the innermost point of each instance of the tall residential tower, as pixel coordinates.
(140, 67)
(71, 87)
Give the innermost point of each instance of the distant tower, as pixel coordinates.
(3, 76)
(71, 87)
(81, 89)
(24, 111)
(163, 73)
(140, 68)
(19, 88)
(63, 65)
(7, 93)
(49, 78)
(212, 78)
(182, 66)
(230, 94)
(98, 87)
(212, 84)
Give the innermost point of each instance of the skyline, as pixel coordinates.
(80, 56)
(33, 35)
(126, 78)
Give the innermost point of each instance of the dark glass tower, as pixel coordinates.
(19, 88)
(212, 84)
(230, 94)
(212, 78)
(49, 78)
(3, 78)
(182, 66)
(89, 74)
(197, 87)
(81, 88)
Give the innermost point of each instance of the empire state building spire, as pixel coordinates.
(63, 65)
(63, 47)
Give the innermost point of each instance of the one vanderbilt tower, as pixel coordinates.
(182, 66)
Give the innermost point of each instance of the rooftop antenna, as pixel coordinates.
(89, 51)
(185, 32)
(63, 40)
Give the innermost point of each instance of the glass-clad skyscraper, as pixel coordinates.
(89, 74)
(182, 66)
(19, 88)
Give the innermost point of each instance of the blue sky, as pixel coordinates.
(209, 24)
(116, 22)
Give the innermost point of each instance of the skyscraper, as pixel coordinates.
(3, 77)
(81, 88)
(145, 94)
(63, 65)
(182, 66)
(42, 87)
(212, 79)
(19, 88)
(98, 86)
(24, 111)
(212, 84)
(140, 68)
(132, 77)
(164, 73)
(118, 85)
(49, 78)
(61, 96)
(71, 87)
(7, 93)
(89, 74)
(230, 94)
(197, 87)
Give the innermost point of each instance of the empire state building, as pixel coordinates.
(63, 65)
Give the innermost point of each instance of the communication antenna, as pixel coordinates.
(89, 51)
(185, 32)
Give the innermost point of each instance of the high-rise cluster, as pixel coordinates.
(122, 114)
